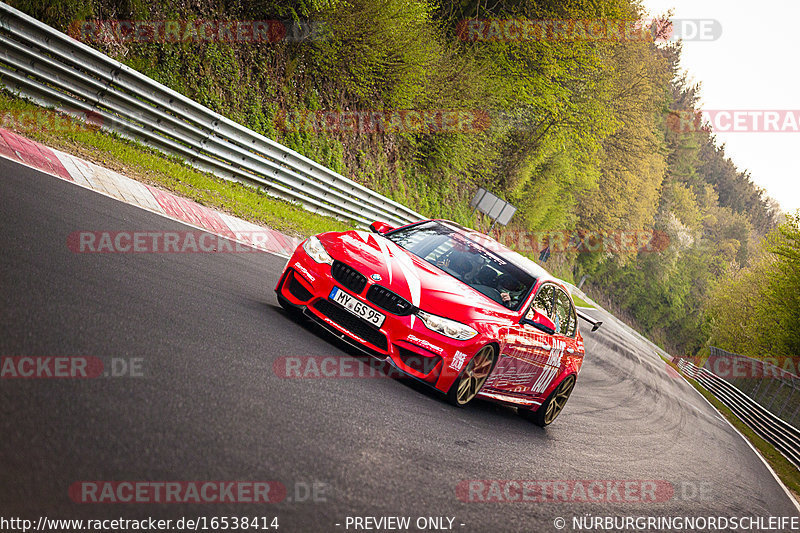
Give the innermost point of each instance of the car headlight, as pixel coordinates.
(447, 327)
(316, 251)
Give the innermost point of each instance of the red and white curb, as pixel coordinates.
(115, 185)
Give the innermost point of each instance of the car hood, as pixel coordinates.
(411, 277)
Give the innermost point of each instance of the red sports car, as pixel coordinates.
(446, 305)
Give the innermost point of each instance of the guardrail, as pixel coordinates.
(785, 437)
(776, 388)
(55, 70)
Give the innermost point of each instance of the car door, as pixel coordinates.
(566, 321)
(526, 352)
(563, 342)
(551, 346)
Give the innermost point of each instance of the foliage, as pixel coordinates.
(755, 310)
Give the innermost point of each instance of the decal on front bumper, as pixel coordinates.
(422, 343)
(458, 360)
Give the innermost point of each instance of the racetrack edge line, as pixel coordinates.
(144, 208)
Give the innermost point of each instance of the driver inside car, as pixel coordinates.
(511, 290)
(462, 263)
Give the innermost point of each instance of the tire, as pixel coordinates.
(471, 379)
(552, 407)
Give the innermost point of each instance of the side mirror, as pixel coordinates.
(541, 322)
(381, 227)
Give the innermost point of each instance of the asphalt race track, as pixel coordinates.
(208, 405)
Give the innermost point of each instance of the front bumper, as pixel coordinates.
(404, 341)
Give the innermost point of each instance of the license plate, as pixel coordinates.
(357, 308)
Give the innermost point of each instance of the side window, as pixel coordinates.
(564, 318)
(543, 302)
(573, 324)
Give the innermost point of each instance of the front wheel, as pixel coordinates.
(554, 404)
(472, 378)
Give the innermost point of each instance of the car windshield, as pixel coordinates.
(467, 261)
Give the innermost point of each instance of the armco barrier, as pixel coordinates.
(55, 70)
(785, 437)
(777, 389)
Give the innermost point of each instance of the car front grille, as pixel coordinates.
(352, 323)
(388, 300)
(348, 276)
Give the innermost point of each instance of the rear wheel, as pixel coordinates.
(472, 378)
(554, 404)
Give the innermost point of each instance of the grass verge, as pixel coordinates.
(580, 302)
(154, 168)
(786, 471)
